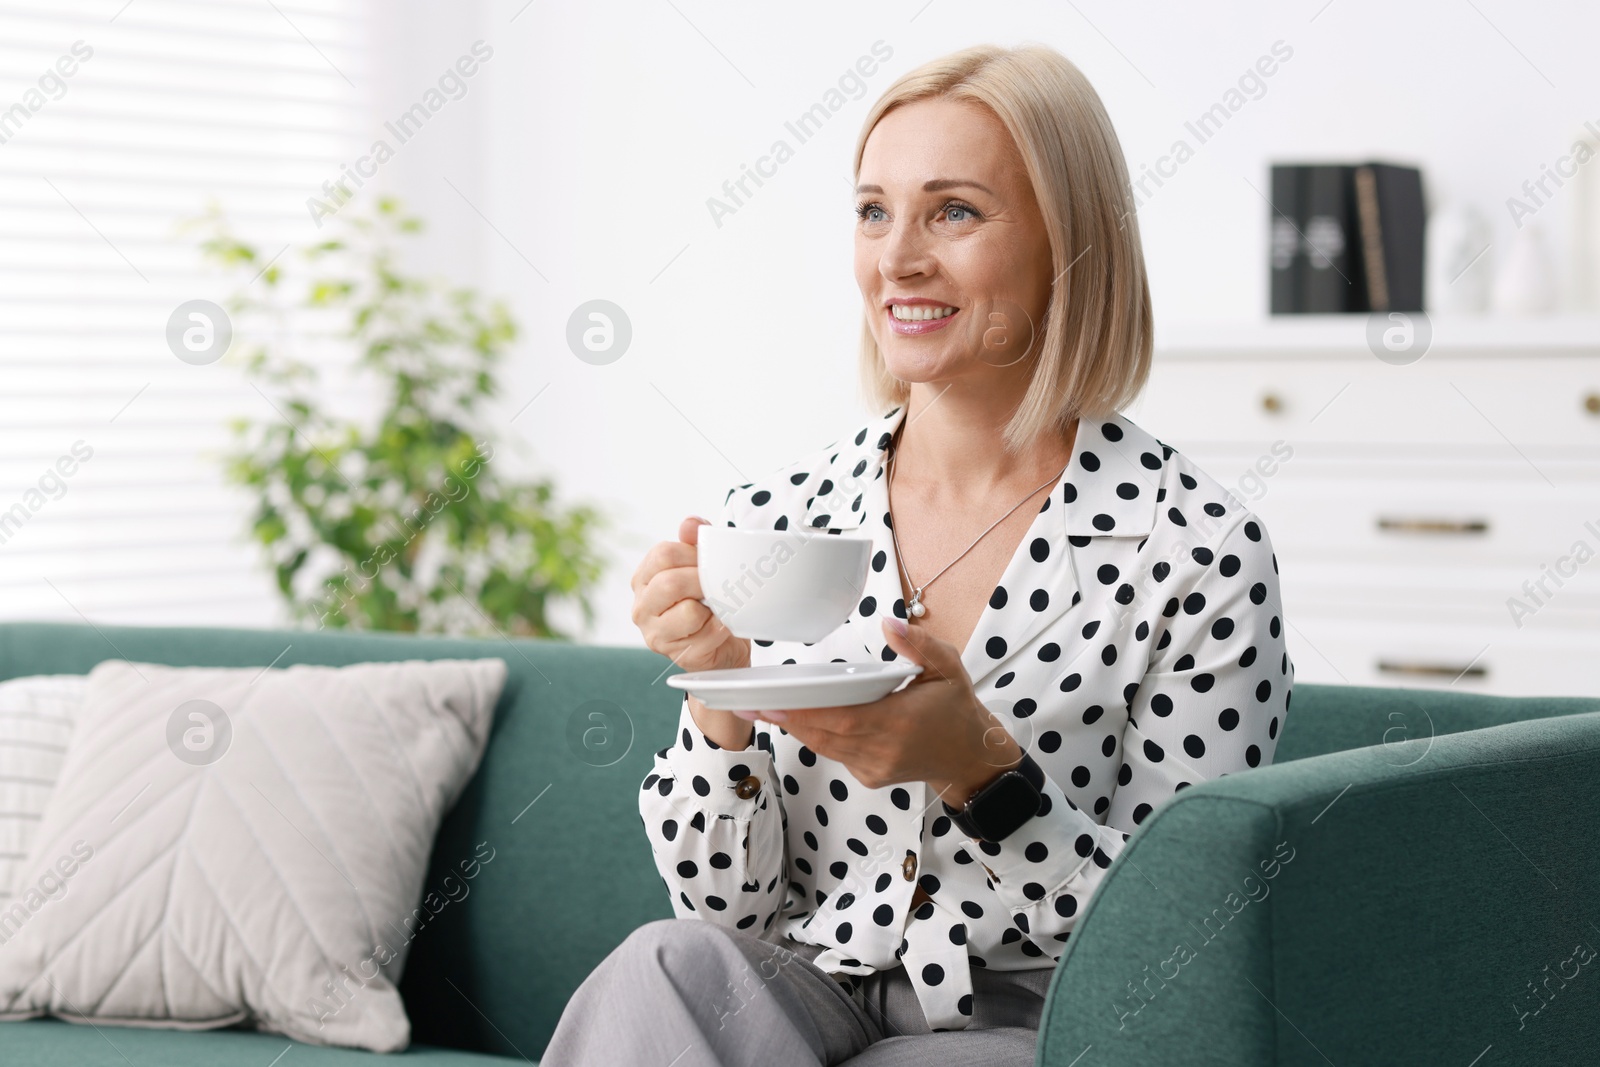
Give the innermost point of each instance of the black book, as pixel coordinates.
(1286, 259)
(1390, 218)
(1331, 279)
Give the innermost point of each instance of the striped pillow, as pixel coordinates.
(37, 714)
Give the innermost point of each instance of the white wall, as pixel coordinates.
(579, 163)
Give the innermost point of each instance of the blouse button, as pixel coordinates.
(748, 787)
(909, 867)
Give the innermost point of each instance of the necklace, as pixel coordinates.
(915, 606)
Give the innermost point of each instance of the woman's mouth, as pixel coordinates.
(914, 319)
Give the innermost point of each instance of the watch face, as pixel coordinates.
(1004, 805)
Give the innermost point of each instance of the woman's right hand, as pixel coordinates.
(668, 612)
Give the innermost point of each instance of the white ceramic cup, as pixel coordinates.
(781, 585)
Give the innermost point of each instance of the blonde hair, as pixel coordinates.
(1093, 354)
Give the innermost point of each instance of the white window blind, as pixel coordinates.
(112, 504)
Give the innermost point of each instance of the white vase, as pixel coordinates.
(1583, 229)
(1458, 262)
(1526, 282)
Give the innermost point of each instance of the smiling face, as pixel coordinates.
(951, 252)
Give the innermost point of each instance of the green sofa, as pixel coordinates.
(1392, 889)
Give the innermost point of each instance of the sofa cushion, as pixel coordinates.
(51, 1043)
(244, 845)
(1338, 718)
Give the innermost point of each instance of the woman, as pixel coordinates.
(1098, 623)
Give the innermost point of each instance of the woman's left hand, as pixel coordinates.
(934, 729)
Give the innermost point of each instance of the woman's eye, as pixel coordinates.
(970, 214)
(869, 212)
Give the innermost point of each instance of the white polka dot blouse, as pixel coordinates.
(1134, 646)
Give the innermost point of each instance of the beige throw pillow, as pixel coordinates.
(36, 717)
(243, 845)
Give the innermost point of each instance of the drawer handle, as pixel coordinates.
(1591, 403)
(1444, 526)
(1471, 670)
(1272, 402)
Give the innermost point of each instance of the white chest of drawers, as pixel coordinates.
(1436, 523)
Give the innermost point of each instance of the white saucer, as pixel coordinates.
(781, 686)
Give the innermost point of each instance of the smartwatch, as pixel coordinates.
(1004, 805)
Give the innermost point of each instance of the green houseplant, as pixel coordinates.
(397, 516)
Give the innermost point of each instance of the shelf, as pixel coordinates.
(1345, 336)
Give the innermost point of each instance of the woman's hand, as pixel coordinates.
(668, 612)
(933, 730)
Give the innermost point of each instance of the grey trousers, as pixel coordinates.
(690, 993)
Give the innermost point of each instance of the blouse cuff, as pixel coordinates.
(1044, 853)
(716, 778)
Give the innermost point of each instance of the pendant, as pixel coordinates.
(915, 607)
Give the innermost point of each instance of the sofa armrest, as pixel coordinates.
(1422, 902)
